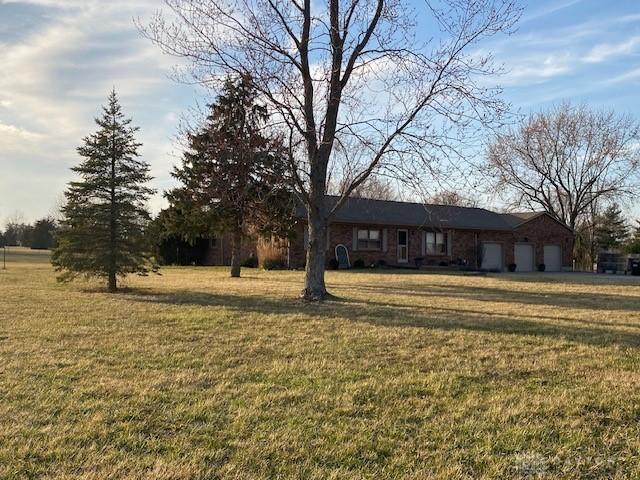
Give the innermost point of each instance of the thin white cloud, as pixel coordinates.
(633, 74)
(549, 54)
(543, 12)
(536, 69)
(7, 132)
(605, 51)
(631, 18)
(61, 73)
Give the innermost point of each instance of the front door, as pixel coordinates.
(403, 246)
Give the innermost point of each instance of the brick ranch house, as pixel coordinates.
(406, 234)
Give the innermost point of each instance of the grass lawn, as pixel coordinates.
(193, 375)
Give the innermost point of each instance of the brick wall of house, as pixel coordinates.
(540, 231)
(220, 254)
(343, 234)
(465, 243)
(544, 230)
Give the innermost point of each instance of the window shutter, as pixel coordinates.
(354, 245)
(385, 235)
(423, 248)
(449, 239)
(328, 238)
(306, 237)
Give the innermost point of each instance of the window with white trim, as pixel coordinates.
(436, 243)
(369, 239)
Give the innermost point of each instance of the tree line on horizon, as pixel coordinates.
(39, 235)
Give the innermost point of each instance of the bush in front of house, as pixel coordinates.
(381, 263)
(251, 262)
(359, 263)
(334, 264)
(542, 267)
(512, 267)
(273, 264)
(270, 254)
(418, 261)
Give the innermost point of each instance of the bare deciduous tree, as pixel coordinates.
(374, 187)
(356, 73)
(452, 198)
(567, 159)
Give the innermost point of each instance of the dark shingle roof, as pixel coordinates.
(384, 212)
(517, 218)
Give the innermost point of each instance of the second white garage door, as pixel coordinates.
(492, 256)
(523, 254)
(552, 258)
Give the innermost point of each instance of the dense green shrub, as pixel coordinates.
(251, 262)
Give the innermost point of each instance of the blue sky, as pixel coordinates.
(60, 58)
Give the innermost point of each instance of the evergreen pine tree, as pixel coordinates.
(234, 175)
(611, 229)
(633, 246)
(43, 232)
(104, 217)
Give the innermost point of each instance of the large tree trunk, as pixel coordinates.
(314, 286)
(236, 252)
(317, 221)
(112, 285)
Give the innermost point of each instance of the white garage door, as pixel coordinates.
(553, 258)
(523, 254)
(492, 256)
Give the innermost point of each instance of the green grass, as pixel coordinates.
(193, 375)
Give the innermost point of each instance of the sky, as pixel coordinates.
(60, 59)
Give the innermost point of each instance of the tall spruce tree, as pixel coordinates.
(104, 217)
(611, 230)
(234, 175)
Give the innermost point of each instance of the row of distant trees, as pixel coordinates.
(38, 235)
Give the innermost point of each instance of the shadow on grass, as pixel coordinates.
(591, 301)
(400, 315)
(575, 278)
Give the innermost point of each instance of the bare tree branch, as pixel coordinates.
(566, 159)
(354, 75)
